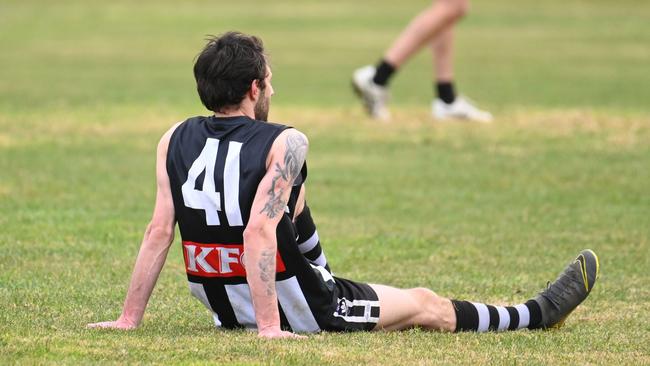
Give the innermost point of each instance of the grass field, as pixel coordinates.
(478, 212)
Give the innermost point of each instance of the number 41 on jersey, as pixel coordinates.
(207, 198)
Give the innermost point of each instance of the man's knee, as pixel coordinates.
(456, 9)
(463, 8)
(436, 311)
(423, 294)
(427, 298)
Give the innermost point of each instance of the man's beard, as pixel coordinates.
(262, 108)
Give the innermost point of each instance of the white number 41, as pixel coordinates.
(208, 198)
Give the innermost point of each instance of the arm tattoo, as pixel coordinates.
(294, 158)
(267, 271)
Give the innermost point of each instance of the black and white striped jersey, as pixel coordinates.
(215, 166)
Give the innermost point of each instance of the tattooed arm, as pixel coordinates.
(283, 164)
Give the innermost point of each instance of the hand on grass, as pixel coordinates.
(117, 324)
(276, 332)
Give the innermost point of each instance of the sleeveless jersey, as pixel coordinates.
(215, 166)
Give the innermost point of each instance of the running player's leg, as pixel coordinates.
(371, 83)
(443, 56)
(447, 105)
(424, 28)
(308, 239)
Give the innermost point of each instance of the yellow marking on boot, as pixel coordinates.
(583, 269)
(583, 265)
(597, 263)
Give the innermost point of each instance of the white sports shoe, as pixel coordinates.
(375, 97)
(461, 108)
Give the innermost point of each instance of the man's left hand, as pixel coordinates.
(117, 324)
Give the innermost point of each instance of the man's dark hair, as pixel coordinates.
(226, 67)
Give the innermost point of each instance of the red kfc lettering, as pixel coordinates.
(218, 260)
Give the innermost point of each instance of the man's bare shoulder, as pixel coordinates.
(291, 138)
(164, 140)
(290, 144)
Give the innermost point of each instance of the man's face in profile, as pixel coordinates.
(263, 102)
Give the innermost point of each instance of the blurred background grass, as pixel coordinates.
(554, 54)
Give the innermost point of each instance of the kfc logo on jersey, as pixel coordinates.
(218, 260)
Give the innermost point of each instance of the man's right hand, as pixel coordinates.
(276, 332)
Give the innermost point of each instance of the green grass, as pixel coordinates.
(477, 212)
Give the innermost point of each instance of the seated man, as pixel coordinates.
(235, 184)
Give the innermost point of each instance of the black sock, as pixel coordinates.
(308, 240)
(476, 317)
(446, 92)
(383, 73)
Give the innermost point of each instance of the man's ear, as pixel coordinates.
(254, 91)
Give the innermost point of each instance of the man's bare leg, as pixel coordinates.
(420, 307)
(424, 28)
(403, 309)
(447, 105)
(443, 55)
(371, 83)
